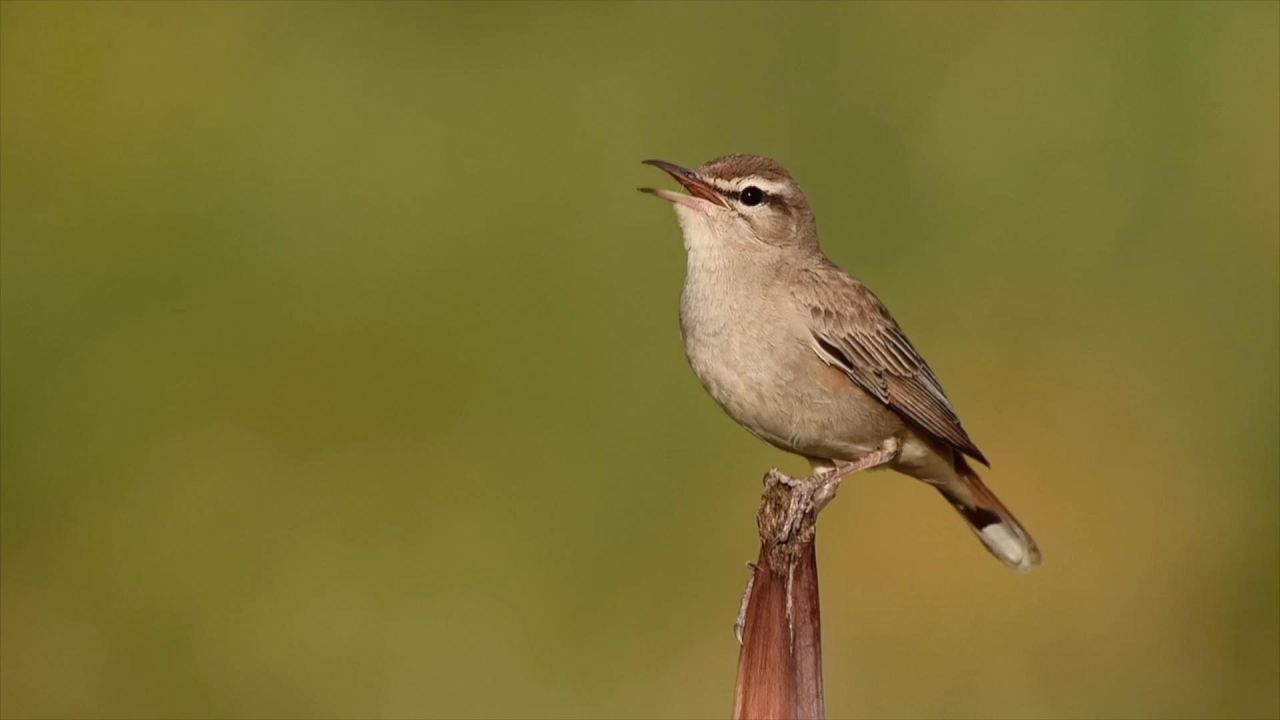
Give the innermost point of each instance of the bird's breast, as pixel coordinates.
(740, 345)
(748, 344)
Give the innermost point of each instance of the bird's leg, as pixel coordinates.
(829, 482)
(814, 492)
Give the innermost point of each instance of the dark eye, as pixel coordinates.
(751, 195)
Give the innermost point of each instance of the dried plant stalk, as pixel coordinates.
(780, 662)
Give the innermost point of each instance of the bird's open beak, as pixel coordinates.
(698, 188)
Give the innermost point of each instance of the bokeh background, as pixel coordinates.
(340, 370)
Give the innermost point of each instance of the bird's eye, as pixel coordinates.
(751, 195)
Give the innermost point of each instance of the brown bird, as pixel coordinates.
(806, 357)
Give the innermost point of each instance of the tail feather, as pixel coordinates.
(990, 520)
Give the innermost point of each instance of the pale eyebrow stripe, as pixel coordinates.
(769, 186)
(724, 187)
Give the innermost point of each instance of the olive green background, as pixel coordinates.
(341, 376)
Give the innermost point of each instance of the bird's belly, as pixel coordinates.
(774, 388)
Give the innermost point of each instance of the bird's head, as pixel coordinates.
(739, 199)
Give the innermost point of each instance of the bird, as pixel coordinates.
(805, 356)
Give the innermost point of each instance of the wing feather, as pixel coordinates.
(853, 331)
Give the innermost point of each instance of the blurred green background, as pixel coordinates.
(341, 376)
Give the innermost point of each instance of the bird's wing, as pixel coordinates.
(853, 331)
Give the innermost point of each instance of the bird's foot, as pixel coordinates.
(811, 494)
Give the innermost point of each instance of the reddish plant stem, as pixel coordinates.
(780, 662)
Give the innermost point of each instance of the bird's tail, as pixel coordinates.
(990, 520)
